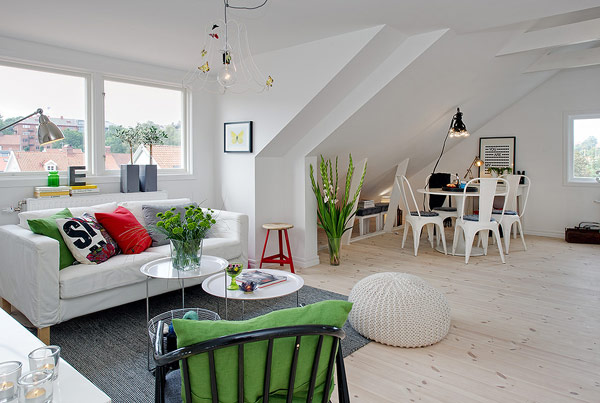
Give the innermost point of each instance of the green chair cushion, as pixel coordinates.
(47, 226)
(332, 313)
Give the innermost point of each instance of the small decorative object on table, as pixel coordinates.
(233, 270)
(248, 286)
(186, 234)
(499, 171)
(10, 372)
(45, 358)
(334, 217)
(36, 387)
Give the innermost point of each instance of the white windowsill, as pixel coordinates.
(42, 180)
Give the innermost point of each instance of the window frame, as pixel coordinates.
(87, 127)
(94, 131)
(185, 135)
(569, 118)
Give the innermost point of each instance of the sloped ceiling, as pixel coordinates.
(169, 33)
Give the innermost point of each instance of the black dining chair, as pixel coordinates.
(169, 386)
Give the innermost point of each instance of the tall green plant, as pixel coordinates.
(333, 214)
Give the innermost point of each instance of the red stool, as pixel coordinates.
(280, 257)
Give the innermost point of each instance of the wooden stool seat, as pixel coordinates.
(279, 257)
(277, 226)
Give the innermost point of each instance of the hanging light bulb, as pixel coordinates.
(457, 127)
(227, 76)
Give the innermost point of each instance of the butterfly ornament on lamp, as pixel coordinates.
(226, 63)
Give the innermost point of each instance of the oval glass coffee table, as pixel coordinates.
(217, 285)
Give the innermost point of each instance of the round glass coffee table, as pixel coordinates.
(162, 268)
(217, 285)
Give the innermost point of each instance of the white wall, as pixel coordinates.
(198, 186)
(538, 122)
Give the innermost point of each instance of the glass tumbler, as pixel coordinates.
(45, 358)
(36, 387)
(10, 372)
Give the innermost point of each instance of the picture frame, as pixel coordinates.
(497, 152)
(237, 137)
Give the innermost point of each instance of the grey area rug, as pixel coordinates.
(109, 347)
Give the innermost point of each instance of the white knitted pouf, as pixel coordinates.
(399, 309)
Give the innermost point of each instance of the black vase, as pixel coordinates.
(130, 178)
(148, 178)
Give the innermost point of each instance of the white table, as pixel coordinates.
(217, 285)
(16, 343)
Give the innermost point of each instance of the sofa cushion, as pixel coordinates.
(78, 280)
(86, 239)
(227, 248)
(136, 206)
(130, 235)
(333, 313)
(75, 211)
(150, 219)
(47, 226)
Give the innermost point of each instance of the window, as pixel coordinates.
(62, 97)
(129, 105)
(583, 157)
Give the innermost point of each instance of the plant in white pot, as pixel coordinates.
(150, 135)
(130, 173)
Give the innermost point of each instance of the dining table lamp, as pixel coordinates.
(476, 162)
(48, 132)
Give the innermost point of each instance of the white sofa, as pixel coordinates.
(31, 282)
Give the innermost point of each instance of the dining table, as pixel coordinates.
(460, 199)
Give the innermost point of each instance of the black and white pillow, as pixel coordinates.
(86, 239)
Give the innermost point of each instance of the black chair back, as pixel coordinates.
(240, 340)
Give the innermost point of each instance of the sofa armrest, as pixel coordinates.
(232, 225)
(29, 274)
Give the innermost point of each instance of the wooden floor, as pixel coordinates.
(525, 331)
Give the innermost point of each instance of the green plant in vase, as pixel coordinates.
(186, 234)
(333, 213)
(234, 270)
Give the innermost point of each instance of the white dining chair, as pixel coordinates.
(473, 224)
(417, 219)
(512, 215)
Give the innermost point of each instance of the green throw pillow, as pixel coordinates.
(332, 313)
(47, 226)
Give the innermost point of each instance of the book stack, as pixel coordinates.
(261, 278)
(366, 203)
(84, 190)
(50, 191)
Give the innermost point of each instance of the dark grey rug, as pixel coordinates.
(109, 347)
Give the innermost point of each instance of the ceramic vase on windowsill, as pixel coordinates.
(130, 178)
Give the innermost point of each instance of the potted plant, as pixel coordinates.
(334, 214)
(150, 135)
(499, 171)
(186, 234)
(130, 173)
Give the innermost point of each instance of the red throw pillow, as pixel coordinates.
(122, 225)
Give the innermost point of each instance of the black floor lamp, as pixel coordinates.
(48, 132)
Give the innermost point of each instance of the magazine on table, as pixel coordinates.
(262, 278)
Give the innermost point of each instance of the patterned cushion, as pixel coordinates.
(451, 209)
(475, 217)
(424, 213)
(506, 212)
(84, 238)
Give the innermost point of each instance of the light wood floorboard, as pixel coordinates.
(526, 331)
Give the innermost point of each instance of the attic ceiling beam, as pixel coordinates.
(566, 60)
(563, 35)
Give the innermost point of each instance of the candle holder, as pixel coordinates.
(36, 387)
(234, 270)
(45, 358)
(10, 372)
(248, 286)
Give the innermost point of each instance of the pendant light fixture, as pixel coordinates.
(225, 61)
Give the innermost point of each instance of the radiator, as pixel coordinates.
(90, 200)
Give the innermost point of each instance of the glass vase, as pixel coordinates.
(187, 254)
(335, 245)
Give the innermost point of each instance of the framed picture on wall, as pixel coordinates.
(238, 137)
(496, 152)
